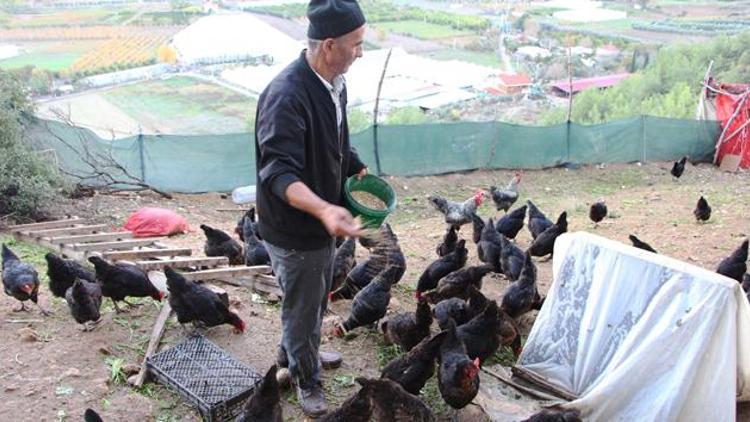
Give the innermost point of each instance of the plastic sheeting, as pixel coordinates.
(638, 336)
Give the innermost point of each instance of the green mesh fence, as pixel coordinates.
(222, 162)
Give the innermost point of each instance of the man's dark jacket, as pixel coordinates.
(296, 139)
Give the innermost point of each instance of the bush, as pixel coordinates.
(28, 185)
(407, 116)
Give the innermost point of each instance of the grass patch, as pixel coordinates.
(482, 58)
(75, 17)
(50, 55)
(420, 29)
(116, 374)
(185, 105)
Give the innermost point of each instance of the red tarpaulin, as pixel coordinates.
(733, 111)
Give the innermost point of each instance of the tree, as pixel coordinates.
(28, 184)
(358, 120)
(407, 116)
(167, 54)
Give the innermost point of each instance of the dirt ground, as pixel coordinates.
(52, 371)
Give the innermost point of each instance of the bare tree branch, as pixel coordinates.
(100, 167)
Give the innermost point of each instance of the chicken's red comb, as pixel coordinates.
(330, 296)
(418, 295)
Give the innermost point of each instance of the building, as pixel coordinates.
(510, 84)
(565, 88)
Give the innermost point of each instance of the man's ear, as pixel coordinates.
(328, 44)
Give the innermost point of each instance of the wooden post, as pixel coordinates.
(375, 114)
(153, 343)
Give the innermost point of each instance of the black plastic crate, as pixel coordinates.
(206, 376)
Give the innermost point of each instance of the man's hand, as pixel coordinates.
(339, 222)
(362, 173)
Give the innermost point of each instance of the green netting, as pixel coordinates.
(222, 162)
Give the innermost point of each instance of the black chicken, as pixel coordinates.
(538, 222)
(255, 250)
(480, 334)
(449, 243)
(679, 167)
(458, 309)
(511, 258)
(265, 403)
(735, 265)
(384, 252)
(84, 300)
(458, 376)
(477, 225)
(413, 369)
(702, 211)
(63, 272)
(90, 415)
(343, 262)
(239, 229)
(219, 243)
(456, 284)
(521, 296)
(598, 211)
(121, 280)
(510, 224)
(391, 402)
(194, 303)
(408, 329)
(20, 280)
(544, 244)
(505, 198)
(549, 415)
(441, 268)
(371, 303)
(488, 248)
(638, 243)
(357, 408)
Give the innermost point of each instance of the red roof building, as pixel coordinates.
(510, 84)
(579, 85)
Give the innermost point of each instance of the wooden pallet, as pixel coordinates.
(75, 239)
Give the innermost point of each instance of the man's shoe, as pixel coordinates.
(282, 360)
(330, 360)
(312, 400)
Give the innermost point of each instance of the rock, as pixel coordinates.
(104, 350)
(273, 298)
(27, 334)
(9, 388)
(132, 379)
(130, 368)
(284, 377)
(72, 372)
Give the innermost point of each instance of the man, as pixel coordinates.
(303, 158)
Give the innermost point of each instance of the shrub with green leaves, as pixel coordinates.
(28, 184)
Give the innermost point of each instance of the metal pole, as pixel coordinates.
(142, 154)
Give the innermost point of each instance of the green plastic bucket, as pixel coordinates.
(375, 186)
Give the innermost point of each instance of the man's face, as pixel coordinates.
(341, 52)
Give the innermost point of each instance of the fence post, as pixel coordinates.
(142, 156)
(567, 141)
(376, 148)
(643, 138)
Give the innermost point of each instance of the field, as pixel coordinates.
(179, 105)
(49, 55)
(184, 105)
(117, 53)
(476, 57)
(421, 30)
(53, 371)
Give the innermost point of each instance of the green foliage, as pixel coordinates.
(358, 120)
(27, 184)
(116, 374)
(386, 11)
(668, 87)
(407, 116)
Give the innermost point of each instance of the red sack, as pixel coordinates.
(149, 221)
